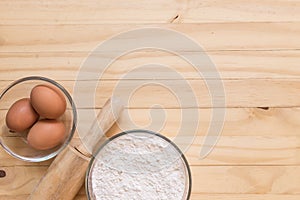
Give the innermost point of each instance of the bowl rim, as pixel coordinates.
(110, 139)
(74, 118)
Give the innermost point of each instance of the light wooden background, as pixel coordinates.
(254, 44)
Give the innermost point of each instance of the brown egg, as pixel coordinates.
(46, 134)
(21, 116)
(48, 101)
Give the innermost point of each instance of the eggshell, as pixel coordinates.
(21, 115)
(48, 101)
(46, 134)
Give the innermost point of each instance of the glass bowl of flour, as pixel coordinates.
(138, 165)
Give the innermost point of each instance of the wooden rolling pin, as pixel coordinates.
(66, 174)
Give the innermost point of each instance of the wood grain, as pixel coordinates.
(271, 135)
(211, 36)
(169, 11)
(230, 65)
(7, 160)
(20, 179)
(237, 122)
(254, 46)
(213, 179)
(194, 197)
(230, 151)
(243, 197)
(246, 180)
(239, 93)
(241, 150)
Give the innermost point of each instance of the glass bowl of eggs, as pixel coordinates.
(38, 118)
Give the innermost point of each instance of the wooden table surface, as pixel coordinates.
(255, 46)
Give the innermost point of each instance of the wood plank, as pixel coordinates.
(230, 150)
(238, 93)
(7, 160)
(117, 11)
(237, 122)
(230, 65)
(195, 197)
(212, 37)
(271, 136)
(213, 179)
(26, 196)
(246, 180)
(243, 197)
(20, 180)
(240, 150)
(275, 122)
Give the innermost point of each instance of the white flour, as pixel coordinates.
(143, 167)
